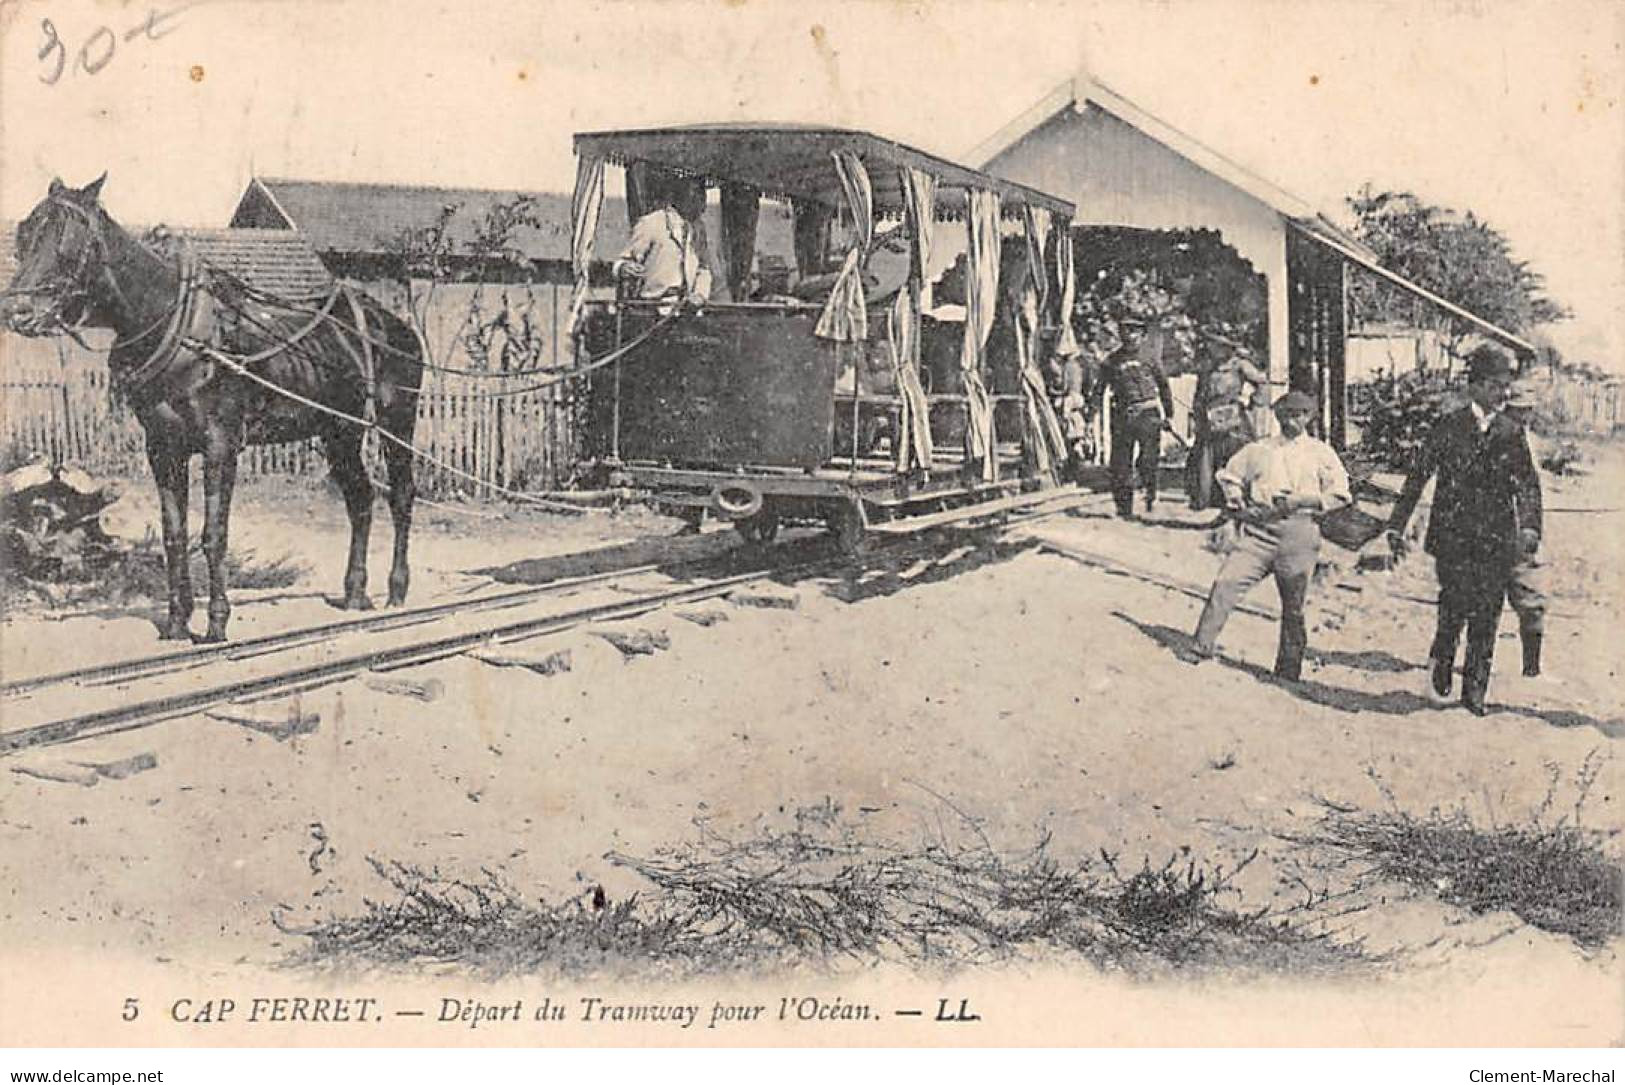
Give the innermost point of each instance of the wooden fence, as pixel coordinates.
(55, 403)
(1588, 405)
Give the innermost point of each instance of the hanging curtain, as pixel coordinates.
(645, 189)
(740, 204)
(1067, 345)
(1037, 220)
(981, 298)
(585, 205)
(810, 223)
(913, 442)
(844, 318)
(1044, 440)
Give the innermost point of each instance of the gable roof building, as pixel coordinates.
(1122, 166)
(350, 223)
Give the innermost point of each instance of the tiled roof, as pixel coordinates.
(278, 261)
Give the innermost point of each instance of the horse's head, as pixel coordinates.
(61, 251)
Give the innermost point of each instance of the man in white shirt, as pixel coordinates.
(1274, 488)
(668, 255)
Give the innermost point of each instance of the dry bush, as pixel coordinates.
(819, 895)
(1556, 878)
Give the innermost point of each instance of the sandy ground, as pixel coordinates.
(1019, 687)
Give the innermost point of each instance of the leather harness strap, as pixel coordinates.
(365, 360)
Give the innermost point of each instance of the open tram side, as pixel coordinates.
(853, 390)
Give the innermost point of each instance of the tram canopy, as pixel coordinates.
(793, 162)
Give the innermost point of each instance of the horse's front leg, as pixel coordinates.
(169, 471)
(219, 478)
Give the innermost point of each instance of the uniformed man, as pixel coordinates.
(1142, 405)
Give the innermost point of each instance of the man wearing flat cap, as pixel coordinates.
(1486, 519)
(1274, 490)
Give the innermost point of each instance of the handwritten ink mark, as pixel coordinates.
(99, 47)
(156, 19)
(53, 43)
(92, 63)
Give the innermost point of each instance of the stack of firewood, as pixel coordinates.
(50, 527)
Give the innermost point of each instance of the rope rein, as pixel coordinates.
(178, 318)
(238, 368)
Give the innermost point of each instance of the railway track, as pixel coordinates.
(85, 702)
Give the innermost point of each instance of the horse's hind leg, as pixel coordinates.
(170, 474)
(350, 472)
(219, 479)
(402, 492)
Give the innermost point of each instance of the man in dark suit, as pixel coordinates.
(1486, 518)
(1142, 405)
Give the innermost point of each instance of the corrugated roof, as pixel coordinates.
(274, 260)
(346, 217)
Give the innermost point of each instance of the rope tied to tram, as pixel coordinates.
(239, 366)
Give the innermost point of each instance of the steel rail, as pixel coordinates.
(143, 712)
(200, 654)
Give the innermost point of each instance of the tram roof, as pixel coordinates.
(790, 161)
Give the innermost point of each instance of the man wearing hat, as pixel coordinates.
(1274, 489)
(1142, 403)
(1486, 519)
(1223, 427)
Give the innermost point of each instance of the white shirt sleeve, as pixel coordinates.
(1334, 481)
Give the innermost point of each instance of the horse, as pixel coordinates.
(209, 365)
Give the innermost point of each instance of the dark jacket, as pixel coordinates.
(1487, 491)
(1136, 380)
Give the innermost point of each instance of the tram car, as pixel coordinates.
(766, 394)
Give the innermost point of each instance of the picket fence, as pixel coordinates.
(55, 404)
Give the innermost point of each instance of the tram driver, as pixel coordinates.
(669, 255)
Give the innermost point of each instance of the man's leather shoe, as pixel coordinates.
(1443, 676)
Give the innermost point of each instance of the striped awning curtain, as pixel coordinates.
(981, 299)
(1037, 222)
(1067, 345)
(1045, 442)
(844, 318)
(914, 447)
(585, 204)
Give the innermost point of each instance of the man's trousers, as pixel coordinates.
(1135, 430)
(1471, 594)
(1288, 549)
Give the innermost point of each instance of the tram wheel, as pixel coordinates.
(762, 528)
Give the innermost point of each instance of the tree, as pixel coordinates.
(1458, 256)
(501, 334)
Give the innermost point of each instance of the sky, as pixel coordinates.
(1509, 109)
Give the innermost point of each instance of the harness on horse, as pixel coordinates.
(190, 338)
